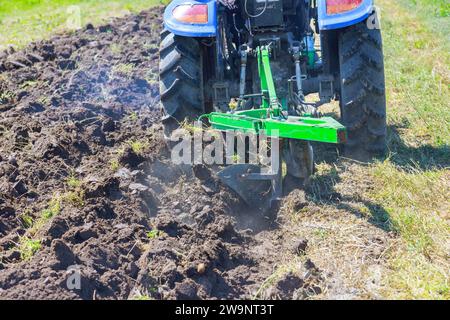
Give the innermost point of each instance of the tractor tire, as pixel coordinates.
(299, 158)
(362, 95)
(181, 80)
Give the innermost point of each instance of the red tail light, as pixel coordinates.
(340, 6)
(188, 13)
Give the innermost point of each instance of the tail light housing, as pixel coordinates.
(341, 6)
(191, 13)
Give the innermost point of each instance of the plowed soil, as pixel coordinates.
(80, 126)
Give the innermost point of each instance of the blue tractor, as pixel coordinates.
(211, 59)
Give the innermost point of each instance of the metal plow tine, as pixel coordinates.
(256, 193)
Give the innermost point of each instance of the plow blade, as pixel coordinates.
(248, 182)
(257, 189)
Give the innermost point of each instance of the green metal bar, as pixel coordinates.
(226, 121)
(263, 82)
(324, 129)
(267, 84)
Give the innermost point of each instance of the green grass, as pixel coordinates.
(73, 182)
(28, 247)
(123, 69)
(138, 147)
(6, 96)
(53, 209)
(75, 197)
(283, 268)
(417, 204)
(28, 84)
(412, 184)
(408, 193)
(438, 8)
(27, 220)
(116, 49)
(30, 20)
(134, 116)
(30, 244)
(75, 194)
(114, 165)
(142, 298)
(155, 234)
(418, 79)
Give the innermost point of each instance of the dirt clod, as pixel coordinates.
(299, 246)
(63, 254)
(201, 268)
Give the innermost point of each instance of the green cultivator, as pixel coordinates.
(271, 119)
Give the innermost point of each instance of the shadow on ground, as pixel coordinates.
(425, 157)
(322, 190)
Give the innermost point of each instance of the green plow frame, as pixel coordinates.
(256, 121)
(261, 189)
(269, 119)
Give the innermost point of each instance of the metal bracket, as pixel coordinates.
(326, 88)
(221, 95)
(275, 174)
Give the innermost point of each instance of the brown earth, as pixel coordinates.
(80, 126)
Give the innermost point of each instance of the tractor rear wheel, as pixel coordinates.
(362, 98)
(299, 158)
(181, 80)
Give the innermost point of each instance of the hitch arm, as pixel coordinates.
(270, 99)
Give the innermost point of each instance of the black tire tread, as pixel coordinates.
(363, 99)
(181, 88)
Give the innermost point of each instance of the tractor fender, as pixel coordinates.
(342, 20)
(179, 28)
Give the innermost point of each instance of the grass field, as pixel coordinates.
(23, 21)
(413, 184)
(411, 187)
